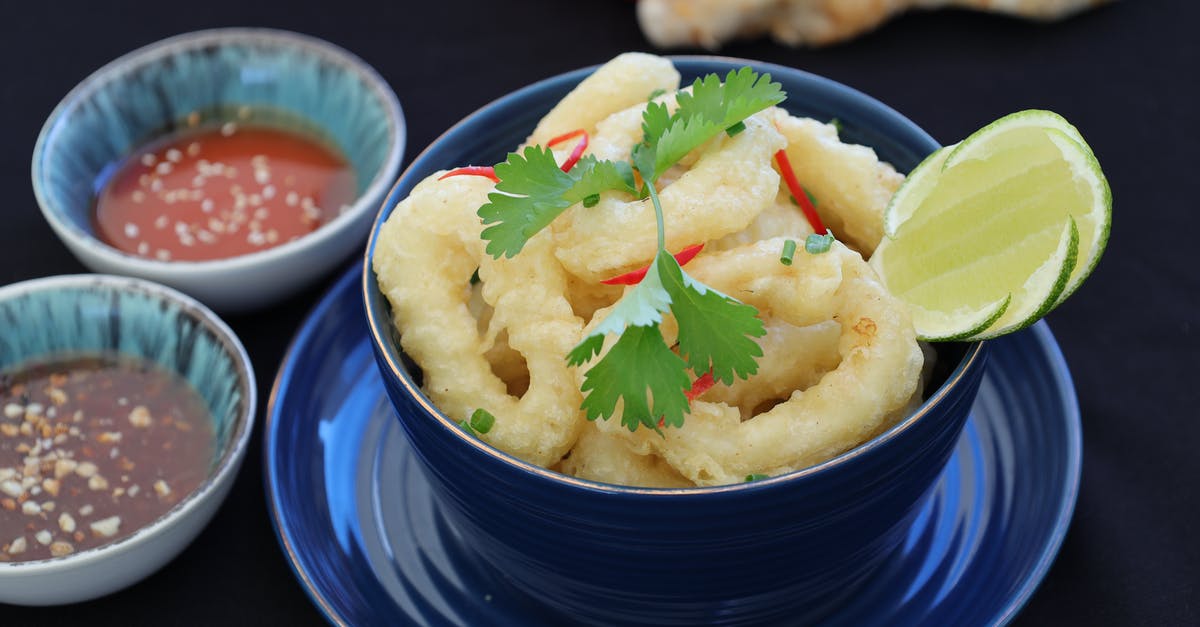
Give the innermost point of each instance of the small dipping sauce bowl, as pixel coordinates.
(786, 550)
(102, 314)
(288, 80)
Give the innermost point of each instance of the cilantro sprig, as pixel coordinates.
(533, 191)
(710, 108)
(640, 371)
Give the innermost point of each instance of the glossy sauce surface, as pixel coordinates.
(92, 448)
(221, 191)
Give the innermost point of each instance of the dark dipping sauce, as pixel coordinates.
(220, 191)
(93, 448)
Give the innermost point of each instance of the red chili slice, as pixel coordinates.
(700, 386)
(636, 276)
(789, 177)
(575, 155)
(474, 170)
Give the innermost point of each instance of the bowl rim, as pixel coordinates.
(972, 358)
(231, 455)
(158, 51)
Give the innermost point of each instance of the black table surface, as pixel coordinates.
(1125, 74)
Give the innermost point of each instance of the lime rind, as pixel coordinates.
(1055, 273)
(932, 326)
(977, 144)
(913, 190)
(1087, 168)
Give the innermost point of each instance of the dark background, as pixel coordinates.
(1125, 74)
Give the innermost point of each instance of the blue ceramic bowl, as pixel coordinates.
(784, 550)
(289, 80)
(99, 313)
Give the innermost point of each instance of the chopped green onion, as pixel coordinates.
(591, 201)
(475, 277)
(656, 93)
(756, 477)
(817, 244)
(789, 251)
(837, 124)
(482, 420)
(735, 129)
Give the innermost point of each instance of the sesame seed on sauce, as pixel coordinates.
(213, 192)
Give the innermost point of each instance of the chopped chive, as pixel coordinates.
(756, 477)
(735, 129)
(475, 277)
(817, 244)
(591, 201)
(482, 420)
(789, 251)
(656, 93)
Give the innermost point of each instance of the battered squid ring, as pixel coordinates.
(625, 81)
(878, 374)
(598, 456)
(425, 256)
(852, 186)
(728, 186)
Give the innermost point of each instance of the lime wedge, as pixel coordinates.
(913, 190)
(988, 236)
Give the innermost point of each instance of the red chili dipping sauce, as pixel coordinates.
(218, 192)
(92, 448)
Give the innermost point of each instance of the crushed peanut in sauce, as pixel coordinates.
(92, 448)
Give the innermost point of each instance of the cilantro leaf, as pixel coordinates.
(715, 331)
(655, 121)
(533, 191)
(684, 135)
(710, 107)
(593, 176)
(747, 92)
(641, 371)
(641, 306)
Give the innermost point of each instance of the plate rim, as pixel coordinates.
(342, 293)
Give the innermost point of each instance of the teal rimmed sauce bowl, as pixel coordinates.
(167, 330)
(297, 82)
(789, 550)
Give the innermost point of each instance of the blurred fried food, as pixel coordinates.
(711, 23)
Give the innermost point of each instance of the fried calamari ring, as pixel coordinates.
(598, 456)
(425, 256)
(627, 80)
(780, 219)
(794, 358)
(877, 375)
(851, 185)
(727, 187)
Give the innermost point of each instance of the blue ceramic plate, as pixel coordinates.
(366, 540)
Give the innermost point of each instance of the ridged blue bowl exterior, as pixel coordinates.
(786, 550)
